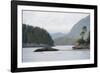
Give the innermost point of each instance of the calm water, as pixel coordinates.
(64, 53)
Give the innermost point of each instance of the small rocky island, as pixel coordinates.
(78, 46)
(83, 43)
(45, 49)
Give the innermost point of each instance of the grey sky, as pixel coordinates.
(52, 21)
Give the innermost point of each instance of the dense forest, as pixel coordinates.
(35, 36)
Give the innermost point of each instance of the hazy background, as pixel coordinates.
(53, 22)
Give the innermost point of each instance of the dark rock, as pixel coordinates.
(46, 49)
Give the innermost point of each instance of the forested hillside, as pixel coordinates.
(35, 36)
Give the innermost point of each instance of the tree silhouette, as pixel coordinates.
(84, 30)
(88, 39)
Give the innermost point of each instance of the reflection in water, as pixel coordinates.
(64, 53)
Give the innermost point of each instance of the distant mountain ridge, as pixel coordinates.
(57, 35)
(74, 34)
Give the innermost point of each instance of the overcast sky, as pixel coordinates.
(53, 22)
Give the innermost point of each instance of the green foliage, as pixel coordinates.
(88, 39)
(83, 41)
(35, 35)
(84, 30)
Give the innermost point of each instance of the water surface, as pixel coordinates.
(64, 53)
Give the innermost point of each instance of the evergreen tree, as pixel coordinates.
(84, 29)
(88, 39)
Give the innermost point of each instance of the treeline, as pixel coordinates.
(82, 34)
(82, 42)
(35, 35)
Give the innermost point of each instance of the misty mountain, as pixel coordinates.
(77, 28)
(74, 34)
(57, 35)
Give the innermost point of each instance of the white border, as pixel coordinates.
(54, 63)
